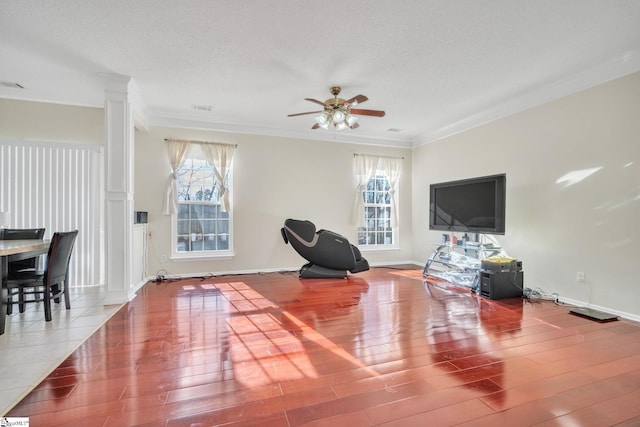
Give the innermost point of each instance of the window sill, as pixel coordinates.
(378, 248)
(208, 256)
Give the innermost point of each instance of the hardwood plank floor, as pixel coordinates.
(383, 347)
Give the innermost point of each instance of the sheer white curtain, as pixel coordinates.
(177, 153)
(219, 157)
(365, 166)
(392, 168)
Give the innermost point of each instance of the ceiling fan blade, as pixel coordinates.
(376, 113)
(358, 99)
(316, 126)
(355, 125)
(302, 114)
(314, 100)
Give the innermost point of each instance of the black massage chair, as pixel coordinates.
(330, 255)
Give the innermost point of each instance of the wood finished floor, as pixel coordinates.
(382, 347)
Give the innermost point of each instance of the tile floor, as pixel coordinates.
(31, 348)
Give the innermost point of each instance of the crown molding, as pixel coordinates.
(620, 66)
(614, 68)
(185, 121)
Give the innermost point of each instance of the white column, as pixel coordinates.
(119, 163)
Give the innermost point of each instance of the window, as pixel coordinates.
(377, 228)
(375, 207)
(202, 228)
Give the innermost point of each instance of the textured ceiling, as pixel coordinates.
(435, 67)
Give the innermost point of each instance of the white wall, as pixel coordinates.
(557, 228)
(35, 121)
(274, 179)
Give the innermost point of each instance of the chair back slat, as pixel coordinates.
(21, 233)
(59, 255)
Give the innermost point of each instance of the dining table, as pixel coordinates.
(15, 250)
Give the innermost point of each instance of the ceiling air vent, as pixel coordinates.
(202, 107)
(10, 84)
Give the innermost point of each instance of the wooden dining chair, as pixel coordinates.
(51, 283)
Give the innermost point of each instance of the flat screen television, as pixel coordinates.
(475, 205)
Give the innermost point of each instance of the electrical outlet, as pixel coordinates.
(164, 257)
(580, 277)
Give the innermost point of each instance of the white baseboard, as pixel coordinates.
(630, 316)
(266, 270)
(379, 264)
(228, 273)
(578, 303)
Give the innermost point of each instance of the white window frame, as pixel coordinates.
(196, 154)
(394, 230)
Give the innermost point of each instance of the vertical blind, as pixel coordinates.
(56, 186)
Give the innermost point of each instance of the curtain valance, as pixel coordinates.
(218, 155)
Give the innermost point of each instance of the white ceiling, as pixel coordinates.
(435, 67)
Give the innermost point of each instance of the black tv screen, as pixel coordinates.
(475, 205)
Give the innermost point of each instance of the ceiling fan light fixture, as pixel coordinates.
(338, 117)
(322, 119)
(338, 113)
(351, 120)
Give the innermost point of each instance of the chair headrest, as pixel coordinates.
(303, 228)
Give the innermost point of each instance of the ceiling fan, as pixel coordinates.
(339, 112)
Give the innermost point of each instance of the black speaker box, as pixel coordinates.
(499, 285)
